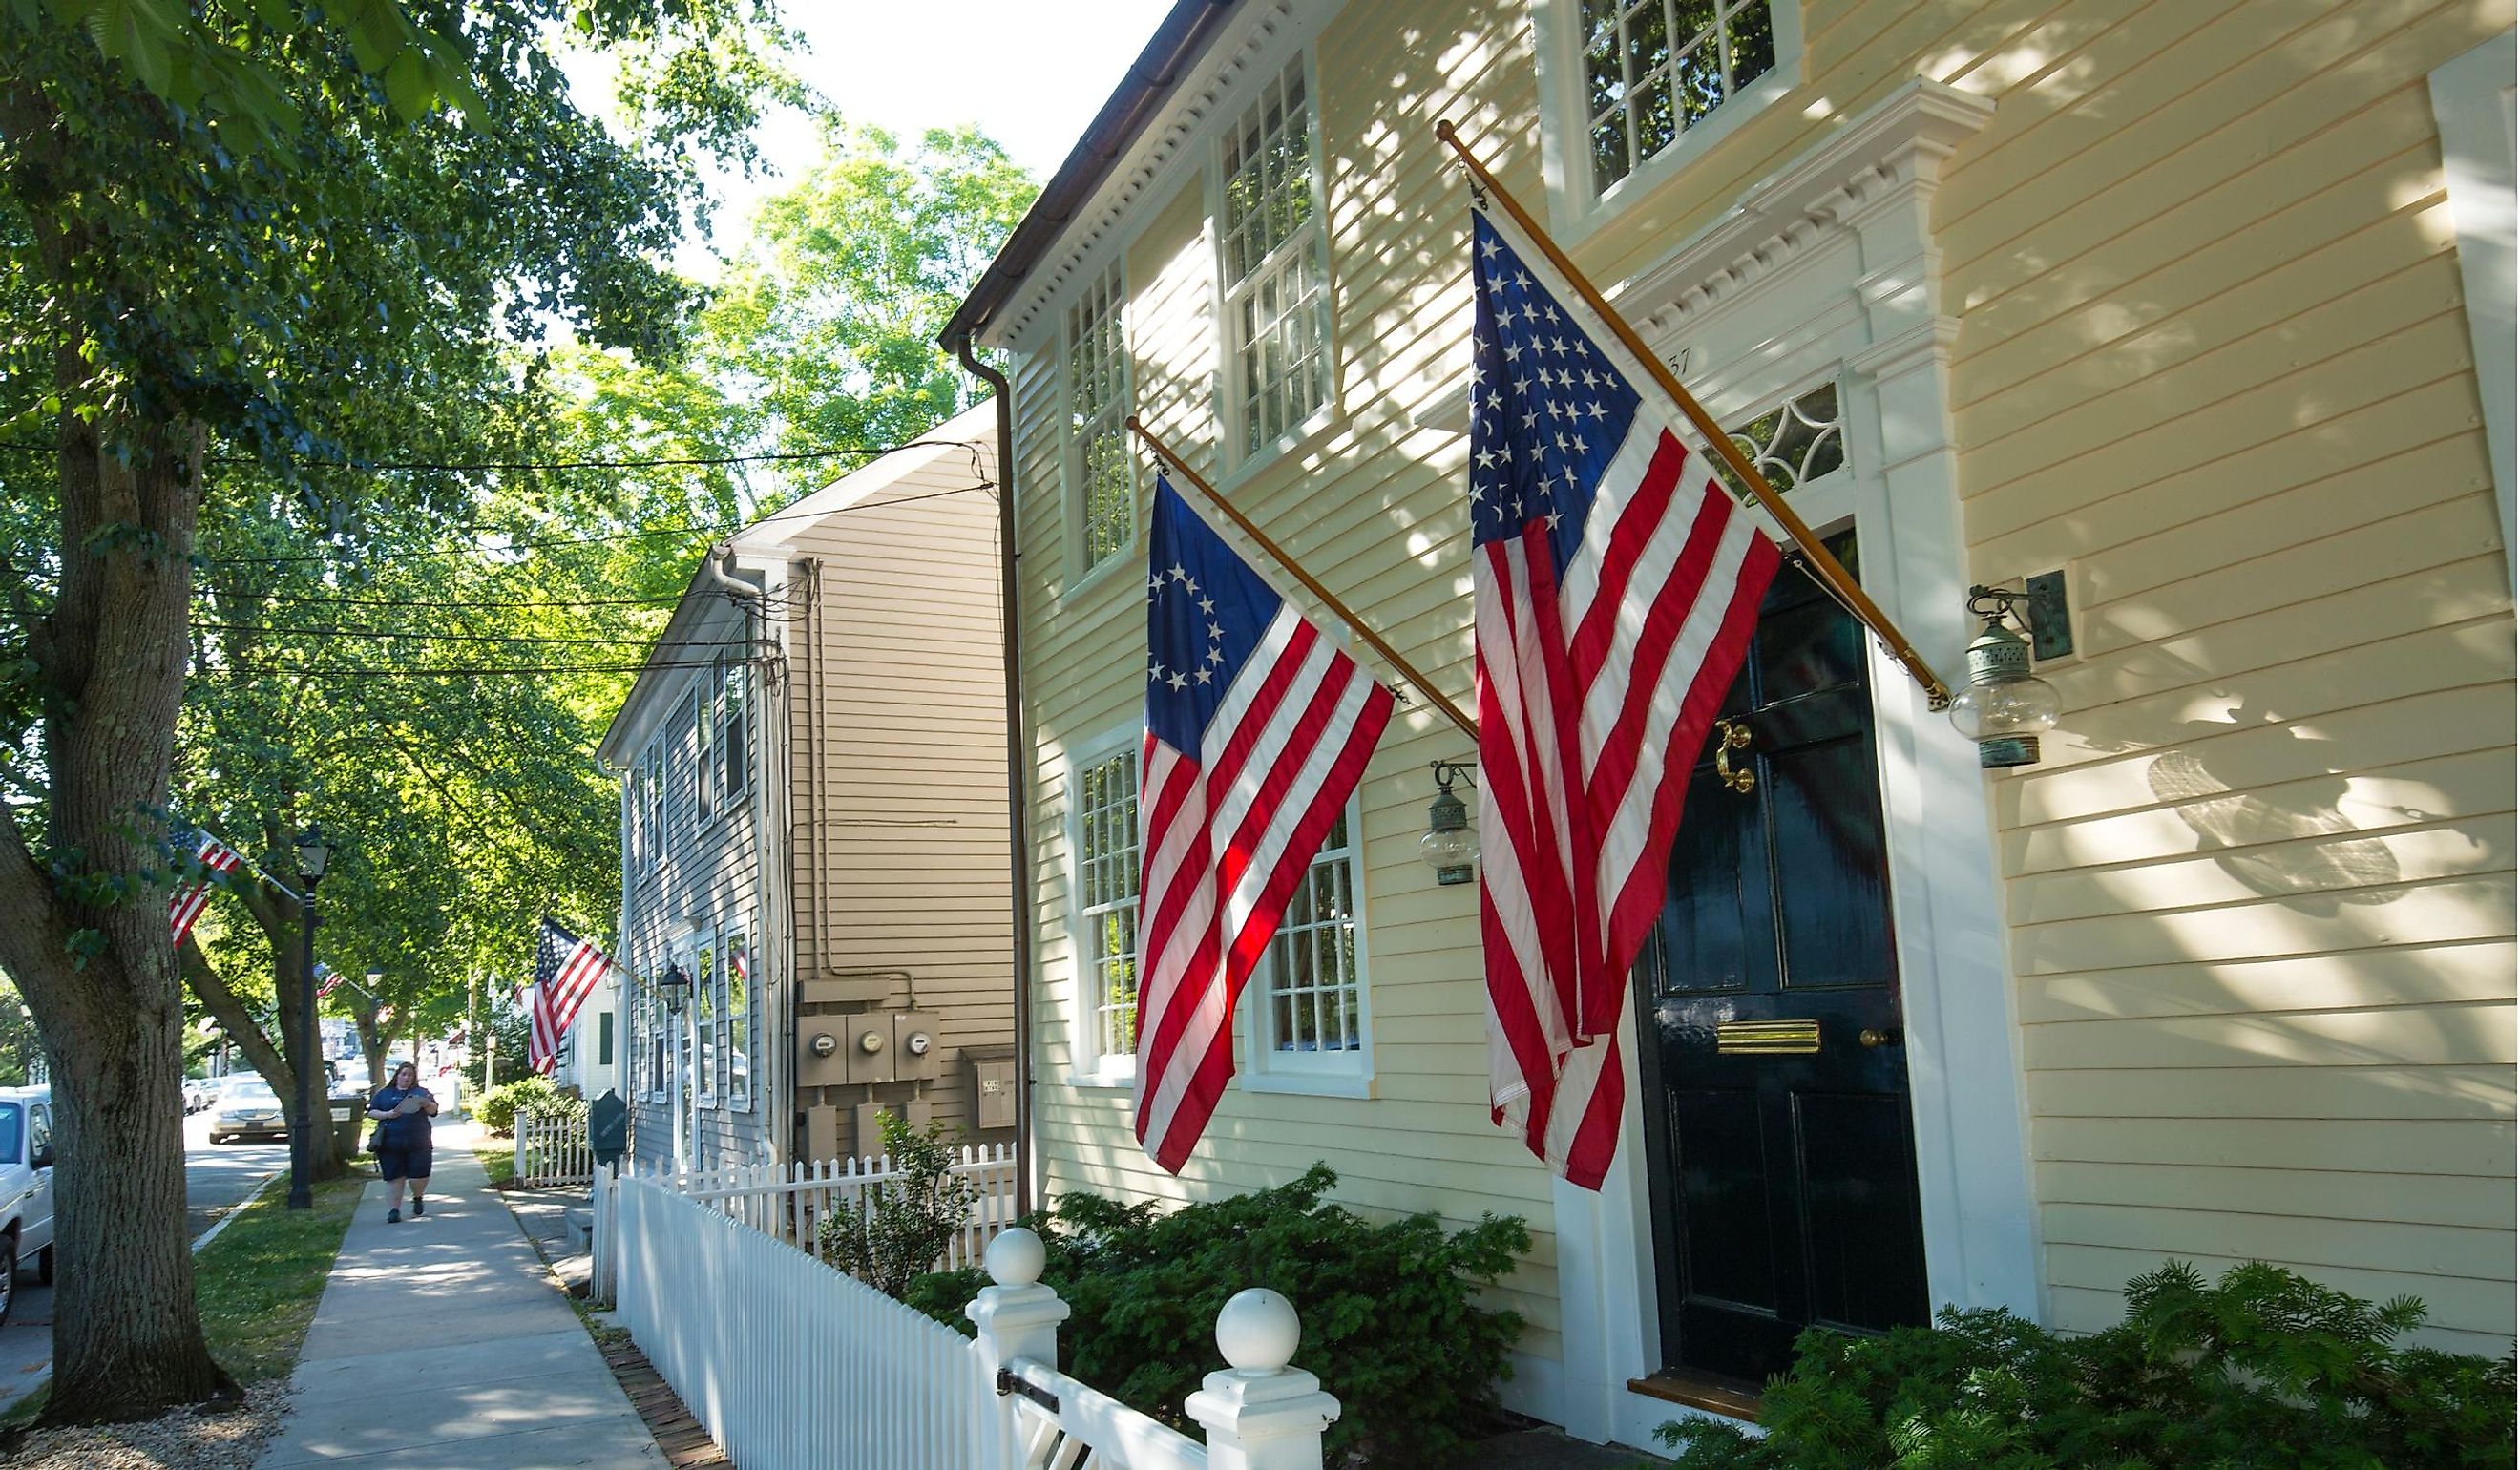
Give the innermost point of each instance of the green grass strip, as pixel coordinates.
(259, 1282)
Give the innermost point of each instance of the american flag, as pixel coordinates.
(1258, 729)
(186, 903)
(1616, 589)
(542, 1038)
(568, 969)
(328, 980)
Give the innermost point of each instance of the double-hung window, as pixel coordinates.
(1274, 267)
(1102, 476)
(705, 1012)
(1104, 796)
(738, 1022)
(656, 794)
(1309, 1025)
(727, 716)
(1652, 69)
(704, 745)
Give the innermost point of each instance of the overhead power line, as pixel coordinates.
(471, 671)
(440, 636)
(490, 467)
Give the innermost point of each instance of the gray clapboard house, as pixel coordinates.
(814, 864)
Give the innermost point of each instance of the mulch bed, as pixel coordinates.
(684, 1444)
(190, 1439)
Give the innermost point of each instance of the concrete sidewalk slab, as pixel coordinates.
(441, 1341)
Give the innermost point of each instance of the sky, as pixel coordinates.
(1030, 74)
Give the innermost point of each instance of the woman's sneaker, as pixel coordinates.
(419, 1208)
(393, 1216)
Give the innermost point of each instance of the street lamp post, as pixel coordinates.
(314, 853)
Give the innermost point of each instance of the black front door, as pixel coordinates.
(1775, 1083)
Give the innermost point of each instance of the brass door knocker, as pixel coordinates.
(1732, 736)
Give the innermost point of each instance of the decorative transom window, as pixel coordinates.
(1276, 266)
(1106, 799)
(1654, 68)
(1312, 1016)
(1793, 443)
(1100, 468)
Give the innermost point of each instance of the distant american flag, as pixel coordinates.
(566, 970)
(1616, 589)
(542, 1039)
(1257, 730)
(188, 900)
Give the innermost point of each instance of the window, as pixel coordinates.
(1100, 472)
(732, 744)
(705, 743)
(636, 1084)
(704, 1017)
(604, 1039)
(1654, 69)
(1796, 442)
(1104, 798)
(1309, 1019)
(738, 1022)
(660, 1030)
(656, 839)
(1276, 267)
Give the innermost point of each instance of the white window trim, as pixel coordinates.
(750, 1018)
(1089, 1066)
(2473, 109)
(703, 1090)
(1319, 1073)
(1223, 392)
(1081, 576)
(1575, 210)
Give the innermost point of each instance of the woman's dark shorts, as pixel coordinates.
(403, 1163)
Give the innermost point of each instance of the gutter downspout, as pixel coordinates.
(770, 850)
(1018, 760)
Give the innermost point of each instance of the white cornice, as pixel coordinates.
(1898, 145)
(1261, 35)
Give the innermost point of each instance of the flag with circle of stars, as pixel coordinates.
(1616, 587)
(1258, 730)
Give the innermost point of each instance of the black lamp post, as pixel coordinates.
(314, 853)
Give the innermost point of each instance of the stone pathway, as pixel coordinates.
(440, 1342)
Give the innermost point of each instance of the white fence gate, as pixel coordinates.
(792, 1201)
(788, 1363)
(552, 1148)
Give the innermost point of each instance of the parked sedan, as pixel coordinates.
(246, 1108)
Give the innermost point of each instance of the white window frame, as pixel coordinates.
(1577, 209)
(704, 1091)
(1241, 463)
(1092, 1066)
(654, 796)
(732, 702)
(1328, 1074)
(704, 710)
(1083, 569)
(746, 1043)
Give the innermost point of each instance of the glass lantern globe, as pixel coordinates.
(2005, 707)
(1449, 846)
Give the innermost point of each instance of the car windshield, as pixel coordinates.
(12, 1123)
(249, 1092)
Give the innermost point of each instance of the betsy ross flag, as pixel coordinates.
(1257, 730)
(1616, 589)
(186, 903)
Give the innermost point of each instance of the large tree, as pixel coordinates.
(258, 241)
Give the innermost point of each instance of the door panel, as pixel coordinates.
(1783, 1182)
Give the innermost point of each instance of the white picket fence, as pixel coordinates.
(790, 1201)
(787, 1362)
(552, 1148)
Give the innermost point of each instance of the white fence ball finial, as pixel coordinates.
(1015, 1258)
(1258, 1330)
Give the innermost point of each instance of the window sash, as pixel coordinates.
(1311, 1016)
(1274, 264)
(1101, 472)
(739, 1022)
(1652, 69)
(1105, 796)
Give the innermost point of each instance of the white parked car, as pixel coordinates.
(26, 1187)
(246, 1108)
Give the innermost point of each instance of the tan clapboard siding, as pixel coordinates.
(909, 770)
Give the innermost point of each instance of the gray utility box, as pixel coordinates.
(869, 1047)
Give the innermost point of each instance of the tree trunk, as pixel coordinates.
(83, 921)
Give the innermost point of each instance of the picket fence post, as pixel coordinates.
(1261, 1414)
(1018, 1316)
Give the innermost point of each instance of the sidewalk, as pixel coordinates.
(440, 1342)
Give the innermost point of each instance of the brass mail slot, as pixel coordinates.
(1767, 1038)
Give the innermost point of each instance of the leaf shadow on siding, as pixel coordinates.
(2261, 842)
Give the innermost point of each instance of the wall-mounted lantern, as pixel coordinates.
(676, 987)
(1450, 847)
(2005, 707)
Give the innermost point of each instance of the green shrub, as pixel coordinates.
(496, 1107)
(901, 1227)
(2264, 1368)
(1389, 1324)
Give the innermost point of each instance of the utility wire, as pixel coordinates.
(473, 466)
(453, 638)
(470, 671)
(346, 601)
(606, 536)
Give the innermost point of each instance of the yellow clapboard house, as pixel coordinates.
(2200, 313)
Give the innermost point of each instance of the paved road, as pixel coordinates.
(215, 1177)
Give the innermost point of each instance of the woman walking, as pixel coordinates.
(404, 1134)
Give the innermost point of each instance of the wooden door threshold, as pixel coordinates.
(1728, 1397)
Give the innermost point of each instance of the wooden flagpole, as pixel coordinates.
(1406, 670)
(1831, 574)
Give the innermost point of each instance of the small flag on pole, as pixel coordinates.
(1616, 587)
(188, 900)
(327, 980)
(1258, 729)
